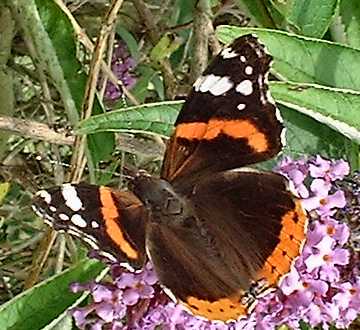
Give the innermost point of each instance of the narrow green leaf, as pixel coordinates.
(312, 17)
(338, 109)
(37, 307)
(130, 41)
(350, 18)
(305, 60)
(153, 118)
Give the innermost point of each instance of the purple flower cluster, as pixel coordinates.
(322, 288)
(122, 65)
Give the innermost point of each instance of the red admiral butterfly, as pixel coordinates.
(219, 235)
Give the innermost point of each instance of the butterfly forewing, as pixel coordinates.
(108, 220)
(229, 119)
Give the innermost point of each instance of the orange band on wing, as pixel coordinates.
(224, 309)
(233, 128)
(191, 131)
(292, 237)
(111, 216)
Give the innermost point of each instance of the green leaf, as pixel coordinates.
(165, 47)
(63, 323)
(283, 7)
(312, 17)
(130, 41)
(35, 308)
(338, 109)
(259, 10)
(182, 12)
(350, 18)
(152, 118)
(305, 60)
(4, 189)
(159, 86)
(306, 136)
(145, 74)
(305, 326)
(53, 37)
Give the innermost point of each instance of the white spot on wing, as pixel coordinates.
(241, 106)
(52, 208)
(227, 53)
(245, 87)
(283, 137)
(221, 86)
(94, 224)
(242, 58)
(213, 84)
(64, 217)
(249, 70)
(198, 83)
(44, 195)
(78, 220)
(71, 197)
(208, 82)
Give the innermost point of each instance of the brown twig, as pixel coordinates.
(34, 130)
(109, 55)
(39, 131)
(41, 255)
(91, 85)
(86, 41)
(200, 39)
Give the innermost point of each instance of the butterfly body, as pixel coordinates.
(219, 234)
(163, 204)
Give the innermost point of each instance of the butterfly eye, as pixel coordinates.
(189, 222)
(174, 206)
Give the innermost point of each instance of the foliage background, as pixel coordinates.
(55, 54)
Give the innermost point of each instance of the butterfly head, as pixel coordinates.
(160, 198)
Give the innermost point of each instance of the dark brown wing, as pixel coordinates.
(246, 227)
(229, 119)
(110, 221)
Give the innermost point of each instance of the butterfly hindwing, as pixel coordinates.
(108, 220)
(242, 228)
(229, 119)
